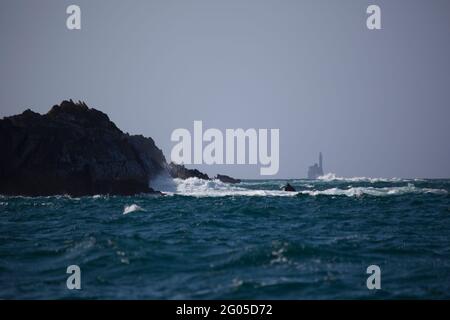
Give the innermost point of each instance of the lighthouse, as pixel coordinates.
(316, 170)
(320, 162)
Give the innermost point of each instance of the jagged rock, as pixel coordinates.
(288, 187)
(74, 150)
(227, 179)
(181, 172)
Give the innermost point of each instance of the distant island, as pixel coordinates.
(77, 150)
(316, 170)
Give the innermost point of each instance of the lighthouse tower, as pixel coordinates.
(320, 162)
(316, 170)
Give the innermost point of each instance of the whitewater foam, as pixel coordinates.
(333, 177)
(386, 191)
(196, 187)
(132, 208)
(215, 188)
(210, 188)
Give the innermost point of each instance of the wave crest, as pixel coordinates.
(132, 208)
(210, 188)
(333, 177)
(386, 191)
(196, 187)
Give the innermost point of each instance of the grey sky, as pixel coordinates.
(376, 103)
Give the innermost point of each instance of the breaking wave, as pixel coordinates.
(132, 208)
(332, 177)
(215, 188)
(209, 188)
(386, 191)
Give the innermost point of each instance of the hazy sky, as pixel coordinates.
(376, 103)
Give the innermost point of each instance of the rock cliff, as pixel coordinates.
(74, 150)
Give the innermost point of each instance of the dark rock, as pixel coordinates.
(74, 150)
(181, 172)
(227, 179)
(288, 187)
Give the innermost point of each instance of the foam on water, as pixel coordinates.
(212, 188)
(333, 177)
(132, 208)
(386, 191)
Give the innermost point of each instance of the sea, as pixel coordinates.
(211, 240)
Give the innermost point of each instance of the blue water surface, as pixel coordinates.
(247, 241)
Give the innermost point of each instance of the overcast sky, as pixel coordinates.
(376, 103)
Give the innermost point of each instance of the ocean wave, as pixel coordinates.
(211, 188)
(262, 182)
(215, 188)
(132, 208)
(333, 177)
(386, 191)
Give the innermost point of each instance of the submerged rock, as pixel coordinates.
(74, 150)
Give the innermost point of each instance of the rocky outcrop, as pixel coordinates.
(77, 150)
(181, 172)
(227, 179)
(74, 150)
(288, 187)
